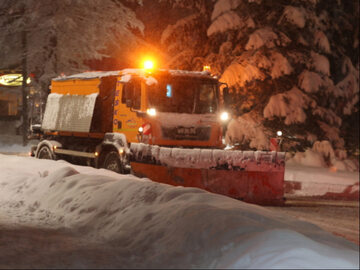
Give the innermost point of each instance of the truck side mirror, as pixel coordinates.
(129, 103)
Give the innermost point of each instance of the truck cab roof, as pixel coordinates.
(135, 72)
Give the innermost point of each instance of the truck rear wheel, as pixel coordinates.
(45, 153)
(112, 162)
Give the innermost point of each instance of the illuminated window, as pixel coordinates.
(168, 90)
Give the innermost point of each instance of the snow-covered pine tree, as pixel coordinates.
(62, 34)
(291, 65)
(185, 41)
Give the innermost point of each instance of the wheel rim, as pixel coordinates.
(112, 163)
(45, 153)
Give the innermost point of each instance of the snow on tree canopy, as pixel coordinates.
(223, 6)
(328, 115)
(240, 73)
(272, 56)
(310, 81)
(322, 42)
(332, 132)
(294, 15)
(266, 37)
(320, 63)
(61, 35)
(290, 105)
(280, 65)
(226, 21)
(170, 29)
(349, 86)
(247, 128)
(248, 67)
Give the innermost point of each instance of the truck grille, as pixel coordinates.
(186, 133)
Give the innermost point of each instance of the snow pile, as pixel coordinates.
(152, 225)
(51, 111)
(209, 158)
(69, 112)
(323, 155)
(87, 75)
(308, 158)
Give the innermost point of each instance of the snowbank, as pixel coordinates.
(161, 226)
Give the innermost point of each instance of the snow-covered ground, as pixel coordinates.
(152, 225)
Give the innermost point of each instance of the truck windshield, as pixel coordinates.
(183, 96)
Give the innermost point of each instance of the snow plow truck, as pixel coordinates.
(166, 125)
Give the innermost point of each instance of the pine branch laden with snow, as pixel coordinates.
(262, 37)
(247, 129)
(332, 133)
(280, 65)
(320, 63)
(62, 34)
(349, 86)
(310, 81)
(223, 6)
(255, 66)
(227, 21)
(294, 15)
(183, 40)
(322, 42)
(289, 105)
(241, 73)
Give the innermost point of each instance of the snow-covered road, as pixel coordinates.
(55, 214)
(338, 217)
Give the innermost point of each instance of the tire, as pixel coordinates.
(45, 153)
(112, 162)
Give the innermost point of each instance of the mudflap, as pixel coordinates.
(257, 187)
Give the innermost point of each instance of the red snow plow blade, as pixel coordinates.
(251, 176)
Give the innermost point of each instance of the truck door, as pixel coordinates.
(127, 99)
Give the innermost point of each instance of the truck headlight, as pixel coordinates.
(224, 116)
(151, 111)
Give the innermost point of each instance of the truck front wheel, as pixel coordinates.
(112, 162)
(45, 153)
